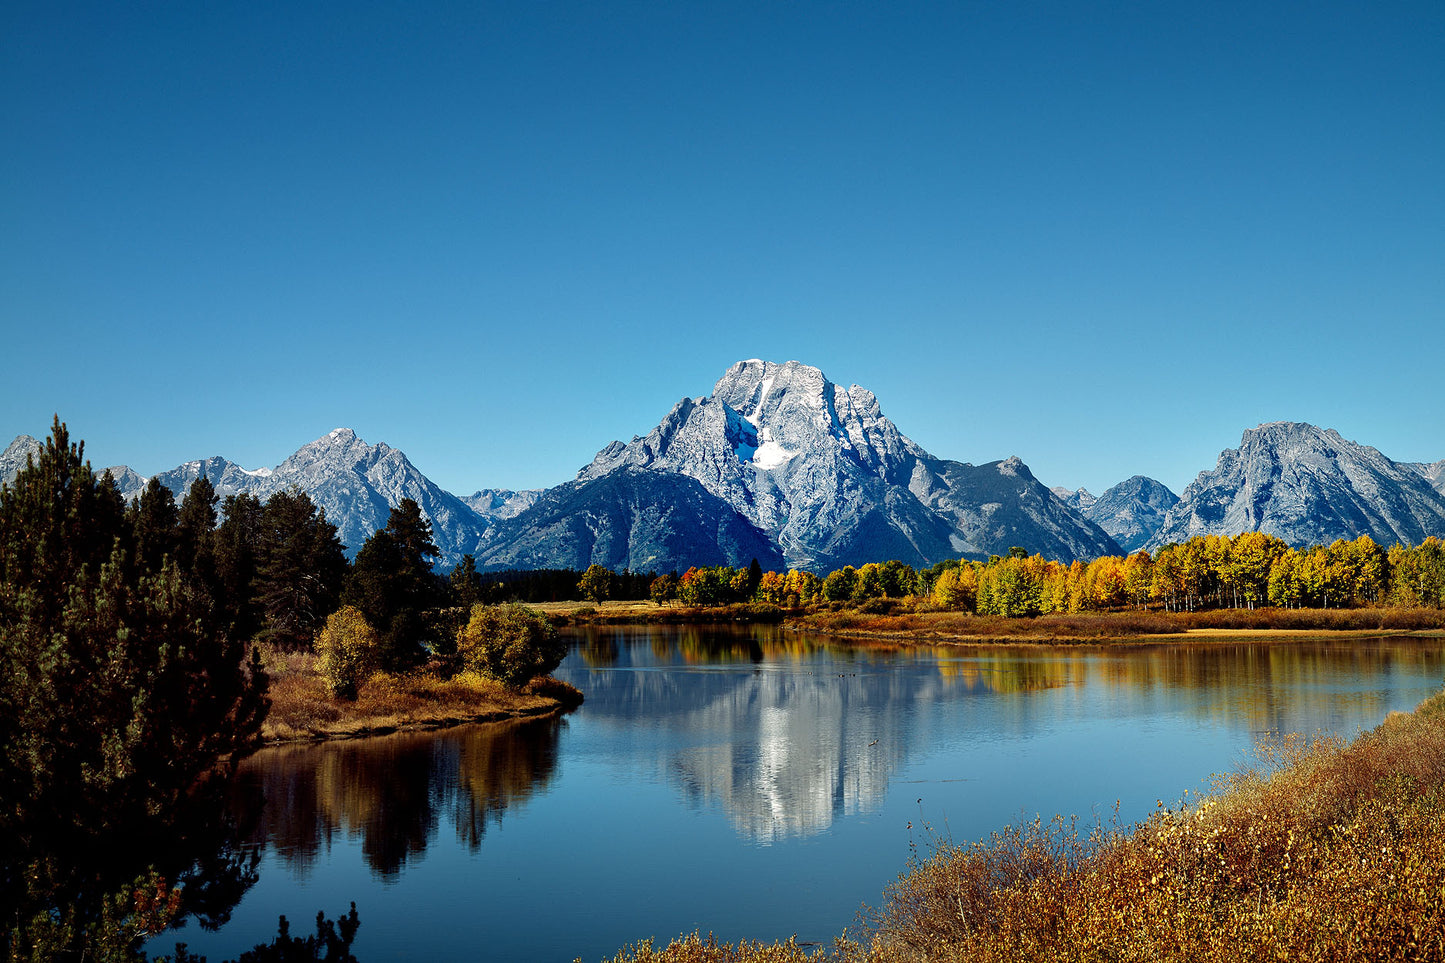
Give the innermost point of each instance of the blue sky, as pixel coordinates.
(1104, 237)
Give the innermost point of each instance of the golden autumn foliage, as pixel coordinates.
(347, 651)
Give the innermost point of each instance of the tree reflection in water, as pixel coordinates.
(103, 889)
(393, 791)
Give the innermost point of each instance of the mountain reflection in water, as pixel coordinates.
(783, 733)
(787, 733)
(756, 782)
(394, 791)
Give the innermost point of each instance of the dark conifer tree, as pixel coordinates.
(55, 519)
(300, 568)
(196, 525)
(394, 586)
(466, 584)
(153, 517)
(235, 559)
(116, 701)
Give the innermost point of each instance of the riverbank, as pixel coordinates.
(1235, 625)
(903, 625)
(304, 710)
(1323, 851)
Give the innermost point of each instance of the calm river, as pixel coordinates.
(755, 783)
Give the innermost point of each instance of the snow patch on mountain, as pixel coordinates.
(824, 473)
(771, 455)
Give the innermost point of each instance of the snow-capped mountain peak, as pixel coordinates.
(823, 472)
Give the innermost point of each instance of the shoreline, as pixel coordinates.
(420, 724)
(303, 709)
(302, 712)
(906, 627)
(906, 637)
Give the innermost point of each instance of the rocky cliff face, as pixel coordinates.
(356, 484)
(831, 481)
(500, 502)
(227, 477)
(1434, 473)
(13, 458)
(1079, 500)
(1132, 511)
(1307, 485)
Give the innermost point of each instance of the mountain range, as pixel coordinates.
(780, 464)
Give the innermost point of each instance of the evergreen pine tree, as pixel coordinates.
(153, 517)
(116, 702)
(196, 524)
(466, 583)
(300, 568)
(392, 583)
(235, 566)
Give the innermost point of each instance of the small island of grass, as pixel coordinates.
(304, 708)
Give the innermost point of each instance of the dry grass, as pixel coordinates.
(302, 706)
(1123, 625)
(634, 613)
(1322, 852)
(697, 949)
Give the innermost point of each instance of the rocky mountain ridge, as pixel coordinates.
(1307, 485)
(780, 464)
(1132, 511)
(1079, 500)
(831, 481)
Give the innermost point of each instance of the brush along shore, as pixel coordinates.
(304, 709)
(1232, 625)
(1323, 851)
(907, 620)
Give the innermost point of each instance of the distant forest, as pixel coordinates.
(1213, 571)
(274, 571)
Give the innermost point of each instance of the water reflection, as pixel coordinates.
(781, 731)
(395, 791)
(786, 733)
(696, 746)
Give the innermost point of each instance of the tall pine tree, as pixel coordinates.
(153, 518)
(393, 584)
(117, 703)
(300, 568)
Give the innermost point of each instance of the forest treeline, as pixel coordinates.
(274, 571)
(1212, 571)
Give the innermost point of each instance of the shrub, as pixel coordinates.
(347, 650)
(510, 643)
(762, 612)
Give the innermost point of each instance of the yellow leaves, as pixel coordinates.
(347, 651)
